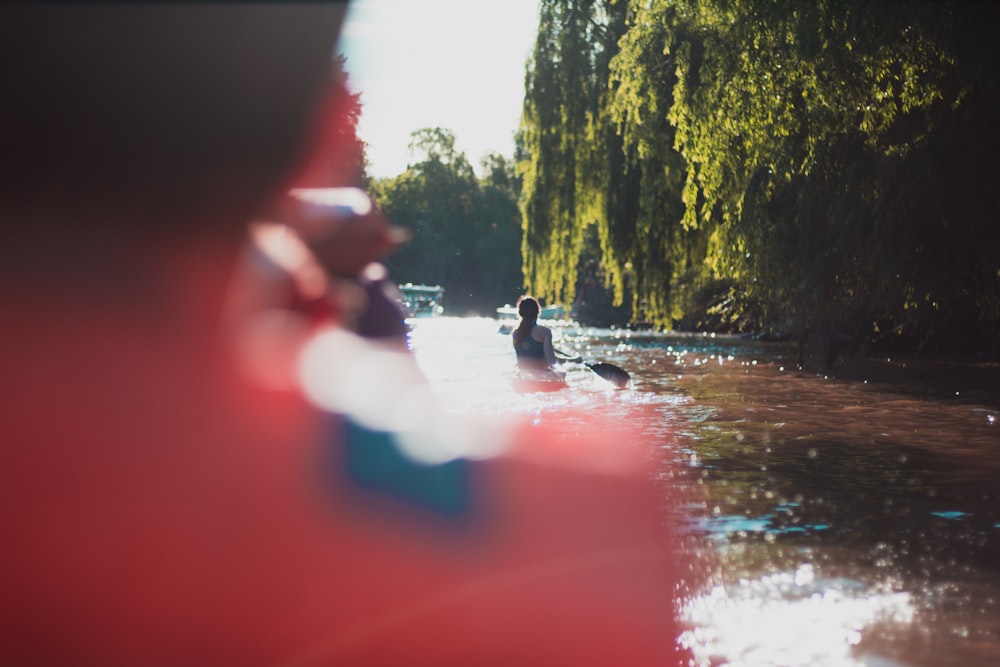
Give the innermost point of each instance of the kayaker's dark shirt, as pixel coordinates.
(530, 352)
(531, 348)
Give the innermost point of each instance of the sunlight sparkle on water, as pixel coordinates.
(452, 393)
(796, 464)
(471, 367)
(382, 388)
(788, 618)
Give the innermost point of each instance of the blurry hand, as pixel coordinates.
(341, 227)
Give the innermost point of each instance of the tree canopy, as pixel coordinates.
(466, 230)
(752, 164)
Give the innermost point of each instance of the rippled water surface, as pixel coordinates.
(834, 521)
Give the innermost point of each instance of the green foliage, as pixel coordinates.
(827, 163)
(466, 232)
(562, 84)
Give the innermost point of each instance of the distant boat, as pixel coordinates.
(554, 312)
(422, 300)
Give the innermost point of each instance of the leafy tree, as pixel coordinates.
(498, 251)
(465, 233)
(648, 236)
(804, 128)
(827, 164)
(594, 155)
(561, 85)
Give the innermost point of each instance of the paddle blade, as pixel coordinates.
(616, 376)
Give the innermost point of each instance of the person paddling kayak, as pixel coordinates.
(536, 356)
(532, 341)
(533, 346)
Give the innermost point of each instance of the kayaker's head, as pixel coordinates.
(528, 308)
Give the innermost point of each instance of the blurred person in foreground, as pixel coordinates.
(193, 473)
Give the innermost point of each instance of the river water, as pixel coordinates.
(833, 521)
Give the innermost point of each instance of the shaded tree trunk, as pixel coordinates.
(801, 336)
(832, 345)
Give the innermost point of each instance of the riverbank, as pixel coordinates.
(920, 376)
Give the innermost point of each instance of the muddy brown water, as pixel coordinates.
(850, 520)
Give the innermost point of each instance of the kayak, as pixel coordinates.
(527, 382)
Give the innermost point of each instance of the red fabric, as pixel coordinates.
(157, 510)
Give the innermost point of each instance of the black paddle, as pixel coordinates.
(613, 374)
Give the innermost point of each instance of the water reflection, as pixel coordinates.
(888, 500)
(837, 522)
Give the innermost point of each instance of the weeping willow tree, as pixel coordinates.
(790, 116)
(579, 170)
(826, 160)
(564, 160)
(659, 249)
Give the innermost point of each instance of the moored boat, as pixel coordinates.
(422, 300)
